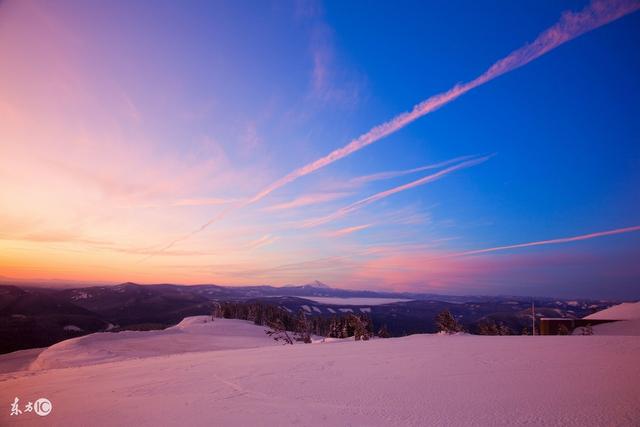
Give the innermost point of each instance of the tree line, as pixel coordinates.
(288, 327)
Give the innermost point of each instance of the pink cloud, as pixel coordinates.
(206, 201)
(348, 230)
(265, 240)
(306, 200)
(568, 27)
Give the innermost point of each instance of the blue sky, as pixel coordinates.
(154, 121)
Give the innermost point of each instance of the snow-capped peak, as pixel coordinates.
(318, 284)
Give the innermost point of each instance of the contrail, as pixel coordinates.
(570, 26)
(548, 242)
(394, 174)
(306, 200)
(381, 195)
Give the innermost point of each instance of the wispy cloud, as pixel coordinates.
(267, 239)
(348, 230)
(394, 174)
(570, 26)
(207, 201)
(549, 242)
(383, 194)
(130, 110)
(306, 200)
(196, 201)
(55, 236)
(331, 81)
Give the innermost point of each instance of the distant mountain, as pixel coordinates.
(317, 284)
(36, 317)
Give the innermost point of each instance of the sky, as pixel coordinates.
(457, 147)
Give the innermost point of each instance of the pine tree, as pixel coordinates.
(504, 329)
(447, 323)
(487, 328)
(359, 326)
(302, 328)
(383, 332)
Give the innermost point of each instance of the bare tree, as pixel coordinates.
(278, 332)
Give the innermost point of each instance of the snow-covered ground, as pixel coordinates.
(18, 360)
(622, 328)
(193, 334)
(624, 311)
(202, 376)
(629, 315)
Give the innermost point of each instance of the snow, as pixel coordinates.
(624, 311)
(306, 308)
(365, 310)
(196, 333)
(72, 328)
(621, 328)
(18, 360)
(346, 310)
(81, 295)
(316, 309)
(415, 381)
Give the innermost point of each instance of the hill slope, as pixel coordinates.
(416, 380)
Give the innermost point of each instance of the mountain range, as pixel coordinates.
(39, 316)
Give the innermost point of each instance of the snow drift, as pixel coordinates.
(624, 311)
(198, 333)
(627, 313)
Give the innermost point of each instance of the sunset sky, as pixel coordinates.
(457, 147)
